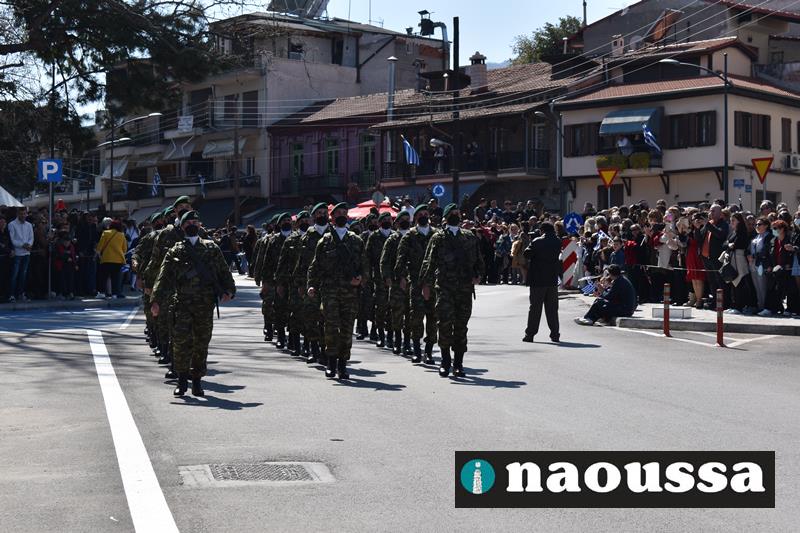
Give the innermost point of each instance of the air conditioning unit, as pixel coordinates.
(792, 162)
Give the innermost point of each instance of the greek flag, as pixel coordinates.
(600, 236)
(156, 183)
(412, 158)
(589, 288)
(202, 185)
(650, 139)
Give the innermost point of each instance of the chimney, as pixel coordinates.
(617, 45)
(477, 73)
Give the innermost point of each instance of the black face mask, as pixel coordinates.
(373, 228)
(341, 221)
(422, 221)
(286, 227)
(192, 230)
(386, 225)
(404, 224)
(321, 220)
(453, 220)
(63, 234)
(303, 226)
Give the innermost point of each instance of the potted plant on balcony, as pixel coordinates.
(612, 161)
(639, 160)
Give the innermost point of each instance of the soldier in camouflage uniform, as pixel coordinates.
(196, 277)
(267, 297)
(285, 282)
(139, 260)
(410, 254)
(366, 308)
(398, 296)
(166, 239)
(453, 266)
(338, 269)
(311, 316)
(266, 271)
(379, 289)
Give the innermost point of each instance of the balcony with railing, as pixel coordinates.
(309, 185)
(493, 163)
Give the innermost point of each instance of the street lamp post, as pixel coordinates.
(726, 82)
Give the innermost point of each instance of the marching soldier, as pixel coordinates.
(410, 255)
(338, 269)
(285, 282)
(398, 296)
(380, 292)
(266, 273)
(311, 315)
(267, 297)
(366, 311)
(139, 260)
(453, 266)
(194, 278)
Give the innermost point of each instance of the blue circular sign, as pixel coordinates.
(438, 190)
(477, 476)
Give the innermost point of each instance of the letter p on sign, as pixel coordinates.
(50, 170)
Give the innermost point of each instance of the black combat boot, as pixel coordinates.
(381, 338)
(183, 384)
(444, 368)
(305, 349)
(407, 345)
(398, 343)
(313, 357)
(373, 332)
(417, 357)
(197, 388)
(361, 330)
(153, 340)
(341, 367)
(330, 371)
(166, 355)
(267, 332)
(428, 360)
(281, 344)
(389, 339)
(458, 364)
(171, 372)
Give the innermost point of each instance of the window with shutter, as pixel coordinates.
(738, 138)
(569, 146)
(766, 131)
(786, 135)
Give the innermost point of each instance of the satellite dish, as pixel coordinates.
(302, 8)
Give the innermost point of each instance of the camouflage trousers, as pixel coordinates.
(422, 311)
(339, 309)
(164, 323)
(366, 303)
(383, 316)
(280, 306)
(268, 305)
(400, 311)
(311, 318)
(295, 302)
(453, 309)
(147, 305)
(194, 323)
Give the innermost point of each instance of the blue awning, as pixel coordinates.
(629, 121)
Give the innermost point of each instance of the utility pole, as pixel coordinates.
(50, 183)
(457, 149)
(236, 174)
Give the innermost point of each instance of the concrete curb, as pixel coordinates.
(90, 303)
(694, 325)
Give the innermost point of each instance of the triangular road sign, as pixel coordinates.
(762, 166)
(608, 175)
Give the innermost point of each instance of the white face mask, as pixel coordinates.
(193, 240)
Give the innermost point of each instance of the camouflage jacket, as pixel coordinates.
(164, 241)
(143, 252)
(258, 256)
(411, 254)
(389, 256)
(288, 259)
(308, 245)
(271, 254)
(452, 260)
(196, 274)
(374, 251)
(337, 261)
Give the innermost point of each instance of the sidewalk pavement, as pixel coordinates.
(703, 320)
(131, 300)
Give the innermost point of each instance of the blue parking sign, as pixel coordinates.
(50, 170)
(438, 190)
(573, 223)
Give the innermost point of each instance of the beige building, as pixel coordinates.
(603, 128)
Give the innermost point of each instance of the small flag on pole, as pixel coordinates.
(156, 183)
(589, 288)
(412, 158)
(202, 185)
(600, 236)
(650, 139)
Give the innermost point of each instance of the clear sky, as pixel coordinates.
(484, 25)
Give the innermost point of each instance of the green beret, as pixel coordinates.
(155, 216)
(321, 205)
(303, 214)
(403, 214)
(282, 217)
(371, 216)
(169, 210)
(448, 208)
(421, 207)
(385, 214)
(189, 215)
(274, 219)
(182, 200)
(341, 205)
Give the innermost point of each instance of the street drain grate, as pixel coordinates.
(264, 473)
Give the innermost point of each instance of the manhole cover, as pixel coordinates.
(269, 473)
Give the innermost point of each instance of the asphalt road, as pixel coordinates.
(388, 436)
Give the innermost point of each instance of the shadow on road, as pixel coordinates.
(365, 384)
(567, 344)
(216, 403)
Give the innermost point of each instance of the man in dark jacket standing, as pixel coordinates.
(544, 273)
(714, 237)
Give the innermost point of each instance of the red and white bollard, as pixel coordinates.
(720, 327)
(666, 309)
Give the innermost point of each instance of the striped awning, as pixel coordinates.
(629, 121)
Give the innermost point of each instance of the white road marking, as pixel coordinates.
(128, 320)
(745, 341)
(148, 507)
(730, 342)
(654, 334)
